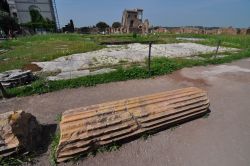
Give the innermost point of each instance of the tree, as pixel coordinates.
(4, 6)
(85, 30)
(102, 26)
(116, 25)
(36, 16)
(37, 21)
(49, 25)
(8, 23)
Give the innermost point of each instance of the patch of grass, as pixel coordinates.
(17, 160)
(129, 38)
(54, 145)
(206, 115)
(58, 118)
(212, 55)
(160, 66)
(37, 48)
(106, 148)
(235, 41)
(175, 127)
(146, 136)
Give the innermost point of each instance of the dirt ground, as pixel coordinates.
(222, 139)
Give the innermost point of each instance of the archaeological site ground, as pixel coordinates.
(67, 68)
(148, 90)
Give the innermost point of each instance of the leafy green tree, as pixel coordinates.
(102, 26)
(49, 25)
(85, 30)
(116, 25)
(8, 23)
(37, 21)
(36, 16)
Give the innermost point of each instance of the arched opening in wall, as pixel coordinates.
(131, 23)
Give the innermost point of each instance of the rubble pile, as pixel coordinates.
(14, 78)
(19, 131)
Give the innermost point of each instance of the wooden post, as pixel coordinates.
(217, 49)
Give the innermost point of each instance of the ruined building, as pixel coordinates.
(21, 9)
(132, 22)
(209, 30)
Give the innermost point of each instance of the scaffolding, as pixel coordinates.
(56, 15)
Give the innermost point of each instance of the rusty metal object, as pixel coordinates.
(87, 128)
(19, 131)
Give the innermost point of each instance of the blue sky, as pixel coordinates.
(224, 13)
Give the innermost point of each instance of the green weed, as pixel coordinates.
(37, 48)
(54, 145)
(17, 160)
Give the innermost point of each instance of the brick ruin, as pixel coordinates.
(132, 22)
(203, 30)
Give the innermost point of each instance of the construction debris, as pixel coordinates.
(19, 131)
(14, 78)
(87, 128)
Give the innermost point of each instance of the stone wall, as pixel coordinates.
(160, 30)
(210, 31)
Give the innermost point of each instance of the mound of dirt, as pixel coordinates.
(32, 67)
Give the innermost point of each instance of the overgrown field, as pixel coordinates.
(44, 48)
(25, 50)
(235, 41)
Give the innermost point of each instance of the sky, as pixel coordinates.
(170, 13)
